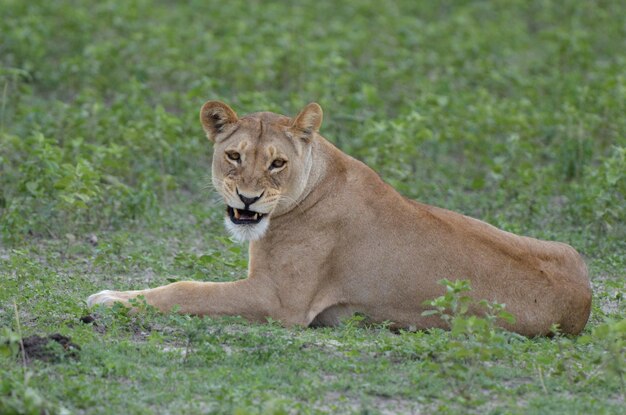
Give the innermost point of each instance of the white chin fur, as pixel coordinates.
(244, 233)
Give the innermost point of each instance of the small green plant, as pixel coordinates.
(194, 331)
(454, 305)
(18, 398)
(9, 342)
(601, 199)
(611, 356)
(472, 340)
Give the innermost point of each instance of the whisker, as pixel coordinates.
(210, 185)
(291, 199)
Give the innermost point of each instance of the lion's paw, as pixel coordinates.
(105, 297)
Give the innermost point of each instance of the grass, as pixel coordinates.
(511, 112)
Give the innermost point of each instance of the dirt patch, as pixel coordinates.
(52, 348)
(608, 293)
(89, 319)
(335, 402)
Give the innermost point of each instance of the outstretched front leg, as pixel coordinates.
(253, 299)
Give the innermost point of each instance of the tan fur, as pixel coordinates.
(340, 240)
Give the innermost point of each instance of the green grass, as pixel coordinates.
(509, 111)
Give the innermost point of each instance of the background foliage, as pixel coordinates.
(509, 111)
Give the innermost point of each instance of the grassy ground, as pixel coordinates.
(511, 112)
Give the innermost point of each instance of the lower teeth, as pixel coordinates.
(237, 215)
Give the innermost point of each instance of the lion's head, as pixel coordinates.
(261, 163)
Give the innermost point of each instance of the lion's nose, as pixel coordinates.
(248, 200)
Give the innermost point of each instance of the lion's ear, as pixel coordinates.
(308, 120)
(215, 117)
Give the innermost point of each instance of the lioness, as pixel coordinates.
(328, 238)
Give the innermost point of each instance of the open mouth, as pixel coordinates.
(243, 216)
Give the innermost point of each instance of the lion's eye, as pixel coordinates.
(233, 155)
(277, 164)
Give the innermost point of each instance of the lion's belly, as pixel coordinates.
(333, 315)
(399, 317)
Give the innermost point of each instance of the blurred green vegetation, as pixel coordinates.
(511, 111)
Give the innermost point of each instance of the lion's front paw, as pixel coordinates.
(106, 297)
